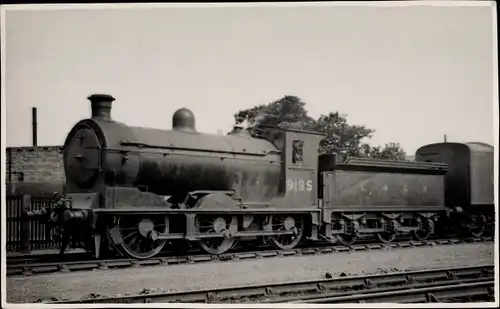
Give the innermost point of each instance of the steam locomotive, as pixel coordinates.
(138, 190)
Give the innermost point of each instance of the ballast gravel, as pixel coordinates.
(109, 283)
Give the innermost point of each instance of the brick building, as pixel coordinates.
(34, 170)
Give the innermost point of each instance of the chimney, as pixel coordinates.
(101, 106)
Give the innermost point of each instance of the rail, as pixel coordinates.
(26, 266)
(399, 287)
(484, 288)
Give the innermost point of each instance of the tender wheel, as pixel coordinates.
(386, 237)
(215, 224)
(425, 229)
(476, 226)
(389, 231)
(293, 224)
(346, 239)
(139, 235)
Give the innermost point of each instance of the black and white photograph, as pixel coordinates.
(237, 154)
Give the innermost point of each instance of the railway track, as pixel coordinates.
(46, 258)
(27, 267)
(402, 287)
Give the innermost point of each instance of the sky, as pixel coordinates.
(411, 73)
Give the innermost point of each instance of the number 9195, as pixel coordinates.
(299, 185)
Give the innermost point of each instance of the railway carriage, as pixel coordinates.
(136, 190)
(469, 183)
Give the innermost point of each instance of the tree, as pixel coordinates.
(391, 151)
(289, 109)
(340, 136)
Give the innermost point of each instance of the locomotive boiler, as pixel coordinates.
(100, 152)
(135, 190)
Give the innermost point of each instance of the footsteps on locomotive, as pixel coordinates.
(138, 190)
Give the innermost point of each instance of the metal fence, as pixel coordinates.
(25, 236)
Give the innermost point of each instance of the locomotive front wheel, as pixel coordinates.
(217, 245)
(139, 235)
(290, 224)
(215, 224)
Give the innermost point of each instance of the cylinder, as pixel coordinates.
(79, 215)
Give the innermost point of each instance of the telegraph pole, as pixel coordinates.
(34, 126)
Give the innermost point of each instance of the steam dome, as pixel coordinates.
(184, 120)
